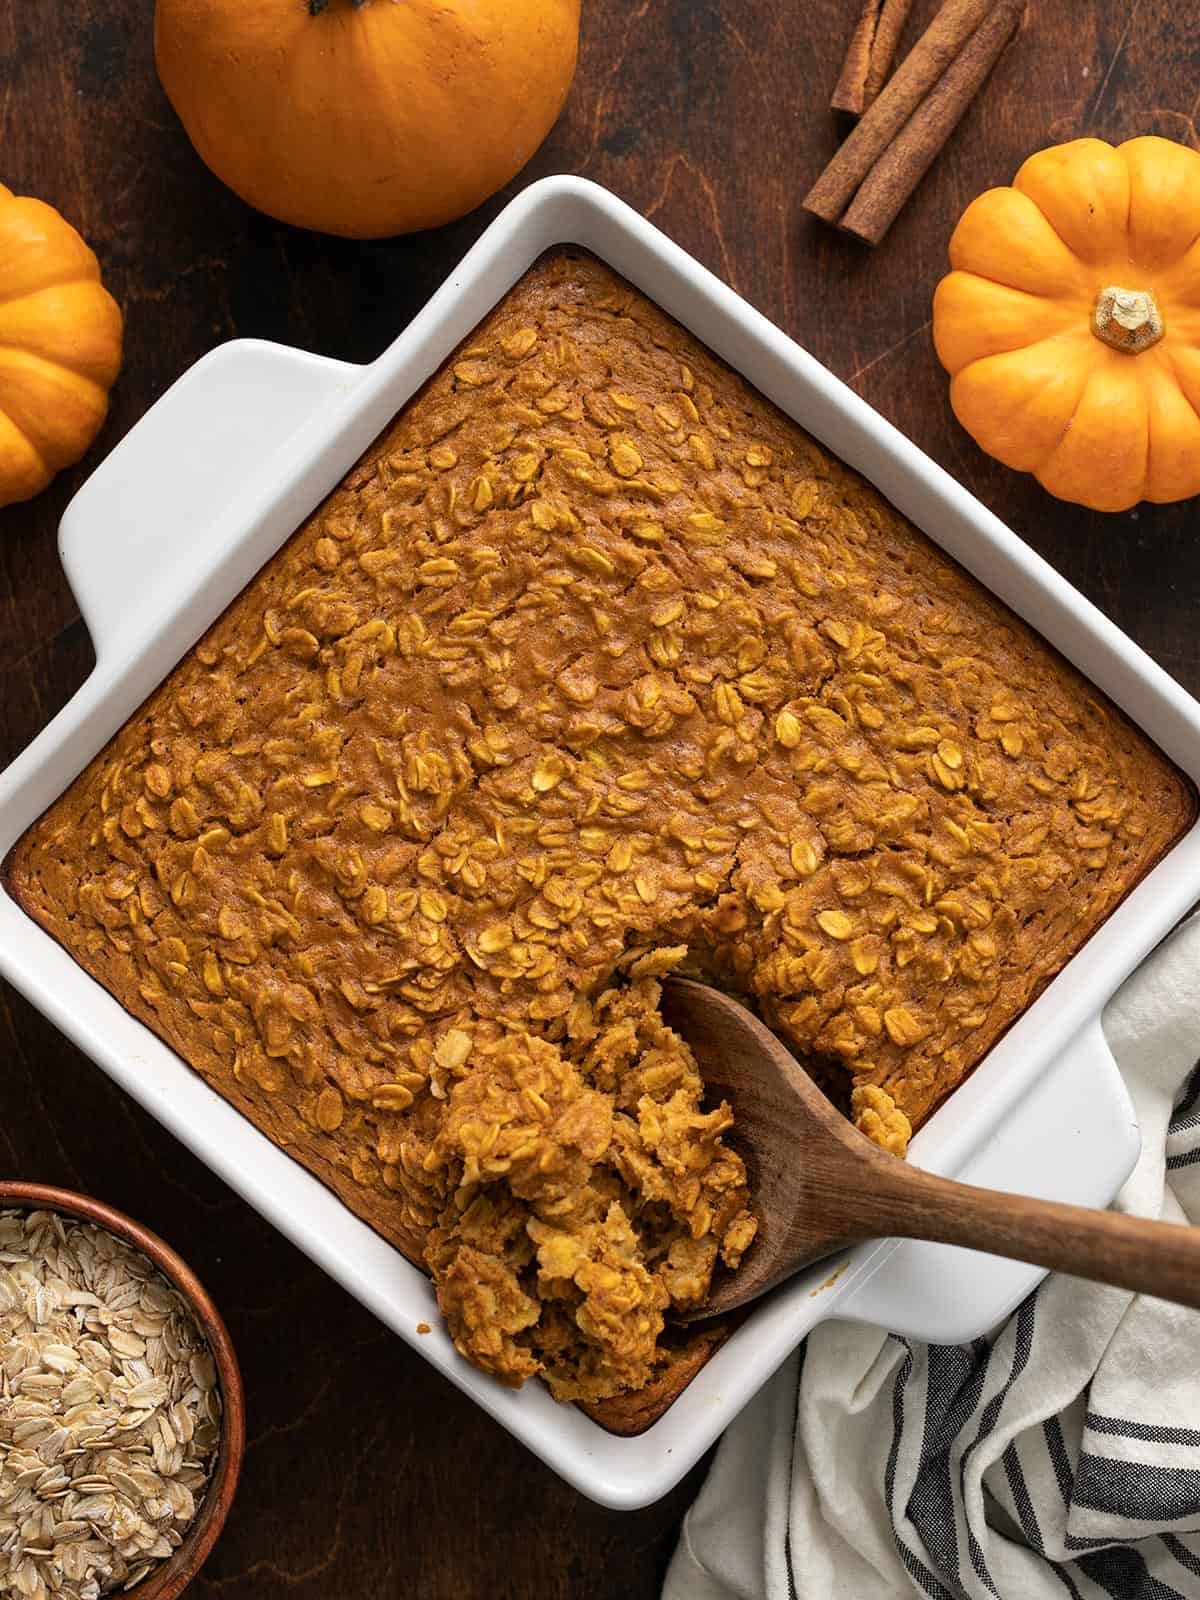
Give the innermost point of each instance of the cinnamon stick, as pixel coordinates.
(902, 166)
(925, 63)
(888, 29)
(850, 93)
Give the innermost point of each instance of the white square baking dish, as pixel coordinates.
(208, 485)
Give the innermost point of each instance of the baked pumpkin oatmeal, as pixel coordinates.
(595, 665)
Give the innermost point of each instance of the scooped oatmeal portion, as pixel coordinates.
(594, 657)
(589, 1194)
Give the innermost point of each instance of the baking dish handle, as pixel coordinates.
(1074, 1138)
(215, 429)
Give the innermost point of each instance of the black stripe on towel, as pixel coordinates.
(1019, 1490)
(1137, 1489)
(1123, 1428)
(954, 1382)
(1122, 1573)
(787, 1532)
(932, 1585)
(1187, 1113)
(1022, 1345)
(979, 1563)
(1186, 1158)
(1056, 1449)
(1183, 1553)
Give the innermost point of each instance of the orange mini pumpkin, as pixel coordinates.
(1070, 324)
(60, 346)
(366, 117)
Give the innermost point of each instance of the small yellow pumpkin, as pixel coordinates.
(366, 117)
(60, 346)
(1070, 324)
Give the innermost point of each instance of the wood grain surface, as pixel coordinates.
(366, 1474)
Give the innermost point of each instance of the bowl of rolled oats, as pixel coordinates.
(122, 1420)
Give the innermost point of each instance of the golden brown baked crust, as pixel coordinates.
(689, 1349)
(594, 652)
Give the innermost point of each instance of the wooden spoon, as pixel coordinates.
(819, 1185)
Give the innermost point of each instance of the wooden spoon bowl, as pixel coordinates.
(819, 1186)
(172, 1576)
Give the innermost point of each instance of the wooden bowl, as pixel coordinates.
(173, 1575)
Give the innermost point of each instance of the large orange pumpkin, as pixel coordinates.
(366, 117)
(60, 345)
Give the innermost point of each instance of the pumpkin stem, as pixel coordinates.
(1128, 319)
(315, 7)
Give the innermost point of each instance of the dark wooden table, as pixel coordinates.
(367, 1474)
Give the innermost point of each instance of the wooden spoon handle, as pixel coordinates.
(1158, 1258)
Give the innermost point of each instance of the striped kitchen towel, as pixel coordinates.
(1059, 1457)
